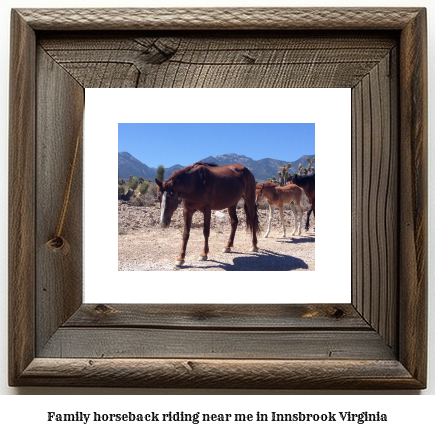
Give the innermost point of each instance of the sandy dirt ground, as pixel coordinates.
(144, 246)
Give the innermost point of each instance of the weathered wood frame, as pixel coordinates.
(378, 341)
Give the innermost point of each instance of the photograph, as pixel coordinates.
(206, 185)
(240, 200)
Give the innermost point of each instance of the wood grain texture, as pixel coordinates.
(234, 61)
(378, 342)
(95, 342)
(413, 198)
(58, 277)
(21, 207)
(375, 198)
(229, 374)
(220, 18)
(388, 202)
(270, 317)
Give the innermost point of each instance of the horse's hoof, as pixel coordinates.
(266, 235)
(226, 250)
(179, 263)
(254, 249)
(202, 258)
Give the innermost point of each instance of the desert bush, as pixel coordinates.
(152, 190)
(121, 191)
(133, 184)
(138, 201)
(161, 173)
(147, 201)
(143, 201)
(144, 187)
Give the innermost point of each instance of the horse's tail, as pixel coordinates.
(252, 222)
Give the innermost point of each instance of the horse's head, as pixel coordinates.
(259, 193)
(168, 198)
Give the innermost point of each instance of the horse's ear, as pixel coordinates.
(158, 182)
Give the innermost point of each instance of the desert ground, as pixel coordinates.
(144, 246)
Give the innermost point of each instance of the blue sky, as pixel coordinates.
(170, 144)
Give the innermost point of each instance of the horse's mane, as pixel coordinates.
(269, 184)
(188, 168)
(308, 175)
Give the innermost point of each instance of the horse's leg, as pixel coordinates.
(234, 222)
(253, 216)
(270, 220)
(206, 232)
(307, 224)
(187, 214)
(292, 207)
(300, 212)
(281, 213)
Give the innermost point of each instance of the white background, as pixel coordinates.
(407, 412)
(329, 109)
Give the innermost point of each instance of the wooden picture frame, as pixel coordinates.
(376, 342)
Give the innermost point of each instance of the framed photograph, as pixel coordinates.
(72, 321)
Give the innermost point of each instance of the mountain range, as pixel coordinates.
(262, 169)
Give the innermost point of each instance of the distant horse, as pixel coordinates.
(278, 197)
(205, 187)
(308, 184)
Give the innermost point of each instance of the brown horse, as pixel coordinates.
(278, 197)
(308, 184)
(206, 187)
